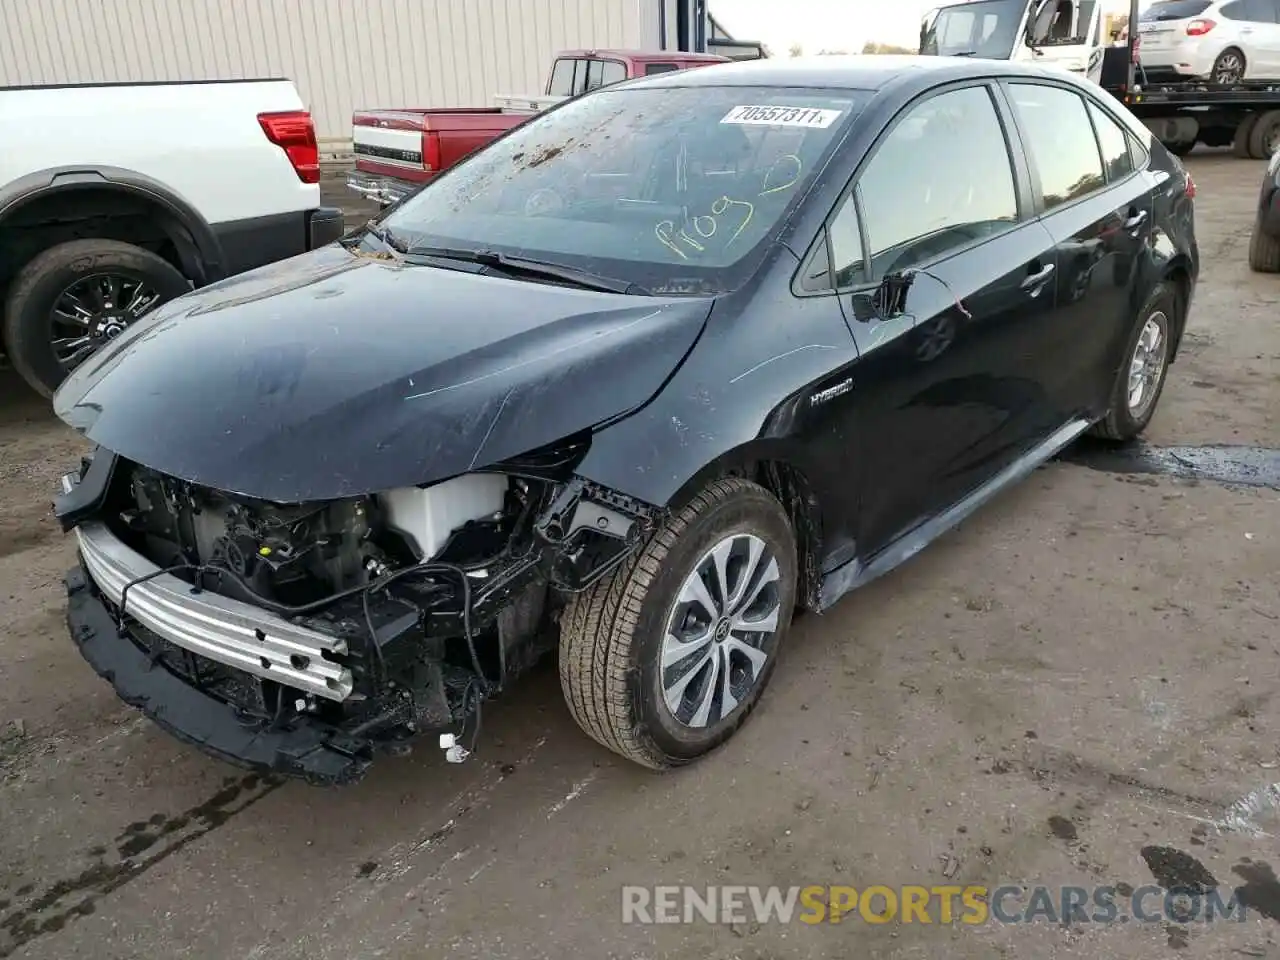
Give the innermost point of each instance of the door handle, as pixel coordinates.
(1035, 281)
(1135, 221)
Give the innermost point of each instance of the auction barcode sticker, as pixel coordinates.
(782, 116)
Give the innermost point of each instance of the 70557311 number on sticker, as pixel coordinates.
(782, 116)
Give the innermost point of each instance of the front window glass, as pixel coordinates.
(846, 246)
(562, 78)
(941, 179)
(985, 28)
(1117, 156)
(672, 189)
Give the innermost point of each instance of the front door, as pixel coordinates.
(1098, 211)
(951, 388)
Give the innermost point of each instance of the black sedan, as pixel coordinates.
(637, 381)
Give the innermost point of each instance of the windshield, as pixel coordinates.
(670, 188)
(986, 28)
(1174, 10)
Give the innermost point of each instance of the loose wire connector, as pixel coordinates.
(454, 752)
(910, 274)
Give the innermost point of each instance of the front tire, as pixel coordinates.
(1141, 377)
(70, 300)
(1264, 251)
(662, 661)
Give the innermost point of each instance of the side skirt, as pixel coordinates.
(857, 573)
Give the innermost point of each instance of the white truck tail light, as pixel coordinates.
(295, 133)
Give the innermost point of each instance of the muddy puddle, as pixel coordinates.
(1235, 465)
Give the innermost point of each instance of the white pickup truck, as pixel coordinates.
(117, 197)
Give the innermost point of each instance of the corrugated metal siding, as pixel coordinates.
(342, 54)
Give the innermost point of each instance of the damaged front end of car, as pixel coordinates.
(305, 638)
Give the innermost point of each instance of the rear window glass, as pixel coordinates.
(1174, 9)
(1061, 141)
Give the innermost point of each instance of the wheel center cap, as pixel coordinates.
(722, 630)
(111, 327)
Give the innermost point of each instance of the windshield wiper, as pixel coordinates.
(385, 235)
(532, 268)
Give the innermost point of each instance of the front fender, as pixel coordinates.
(742, 395)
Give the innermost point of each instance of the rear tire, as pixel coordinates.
(616, 636)
(1264, 251)
(1145, 365)
(29, 330)
(1240, 143)
(1264, 137)
(1229, 67)
(1181, 148)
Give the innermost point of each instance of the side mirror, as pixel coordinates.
(886, 301)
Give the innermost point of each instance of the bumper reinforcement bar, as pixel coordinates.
(220, 628)
(305, 750)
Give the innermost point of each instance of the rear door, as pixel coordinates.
(951, 390)
(1098, 210)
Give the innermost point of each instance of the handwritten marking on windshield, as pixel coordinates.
(789, 158)
(706, 226)
(724, 204)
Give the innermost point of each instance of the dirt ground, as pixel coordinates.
(1078, 687)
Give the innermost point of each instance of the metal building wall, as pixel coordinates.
(342, 54)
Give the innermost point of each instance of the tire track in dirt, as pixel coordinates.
(65, 900)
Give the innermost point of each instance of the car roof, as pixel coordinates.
(640, 56)
(851, 72)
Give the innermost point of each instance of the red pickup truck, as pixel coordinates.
(399, 150)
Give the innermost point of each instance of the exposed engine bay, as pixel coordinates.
(355, 623)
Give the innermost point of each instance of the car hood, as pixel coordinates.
(333, 375)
